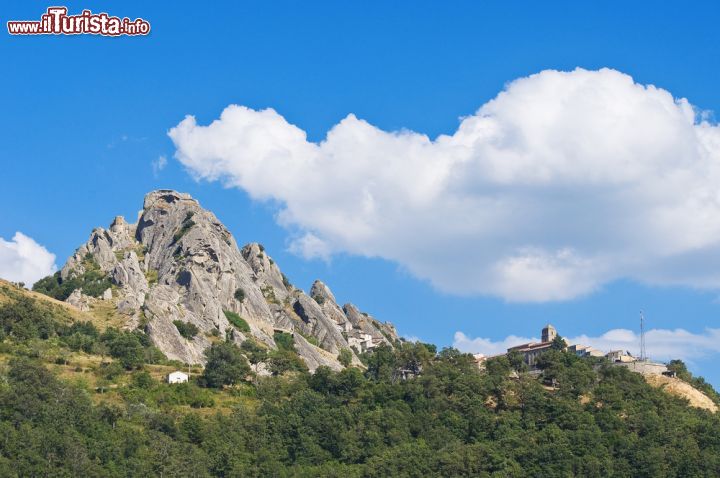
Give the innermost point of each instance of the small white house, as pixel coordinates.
(177, 377)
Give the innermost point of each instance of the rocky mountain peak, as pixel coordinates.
(161, 197)
(320, 292)
(180, 263)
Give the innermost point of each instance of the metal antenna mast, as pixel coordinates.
(643, 354)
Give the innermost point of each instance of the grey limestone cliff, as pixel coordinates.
(179, 262)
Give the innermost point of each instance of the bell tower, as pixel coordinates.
(548, 333)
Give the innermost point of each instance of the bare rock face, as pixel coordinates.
(267, 274)
(129, 275)
(163, 306)
(315, 357)
(315, 323)
(180, 263)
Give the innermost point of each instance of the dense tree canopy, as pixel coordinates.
(412, 411)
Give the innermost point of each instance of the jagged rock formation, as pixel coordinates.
(179, 262)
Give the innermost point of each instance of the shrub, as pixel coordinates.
(284, 341)
(78, 341)
(187, 224)
(152, 276)
(311, 340)
(237, 321)
(110, 370)
(186, 329)
(143, 380)
(239, 294)
(269, 293)
(345, 357)
(253, 351)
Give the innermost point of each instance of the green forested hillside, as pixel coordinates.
(75, 401)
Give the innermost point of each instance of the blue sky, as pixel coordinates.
(85, 118)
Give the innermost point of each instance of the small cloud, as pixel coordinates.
(159, 164)
(24, 260)
(483, 346)
(124, 138)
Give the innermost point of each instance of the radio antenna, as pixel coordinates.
(643, 352)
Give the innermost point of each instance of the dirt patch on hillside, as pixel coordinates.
(677, 387)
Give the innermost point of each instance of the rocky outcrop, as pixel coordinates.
(315, 323)
(129, 275)
(325, 298)
(79, 300)
(364, 322)
(179, 262)
(266, 273)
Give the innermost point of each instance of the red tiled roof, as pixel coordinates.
(531, 346)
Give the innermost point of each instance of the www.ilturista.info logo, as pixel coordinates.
(57, 22)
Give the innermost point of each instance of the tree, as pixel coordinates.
(680, 369)
(283, 360)
(381, 363)
(558, 343)
(125, 347)
(414, 356)
(254, 352)
(517, 361)
(345, 357)
(225, 365)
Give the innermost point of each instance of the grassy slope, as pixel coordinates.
(84, 369)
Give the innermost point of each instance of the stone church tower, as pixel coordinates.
(548, 333)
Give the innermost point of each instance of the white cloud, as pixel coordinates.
(661, 344)
(563, 182)
(480, 345)
(159, 164)
(24, 260)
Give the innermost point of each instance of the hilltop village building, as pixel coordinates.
(531, 351)
(362, 341)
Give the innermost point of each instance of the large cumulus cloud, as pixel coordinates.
(561, 183)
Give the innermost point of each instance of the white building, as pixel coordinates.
(177, 377)
(585, 351)
(620, 356)
(344, 326)
(361, 341)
